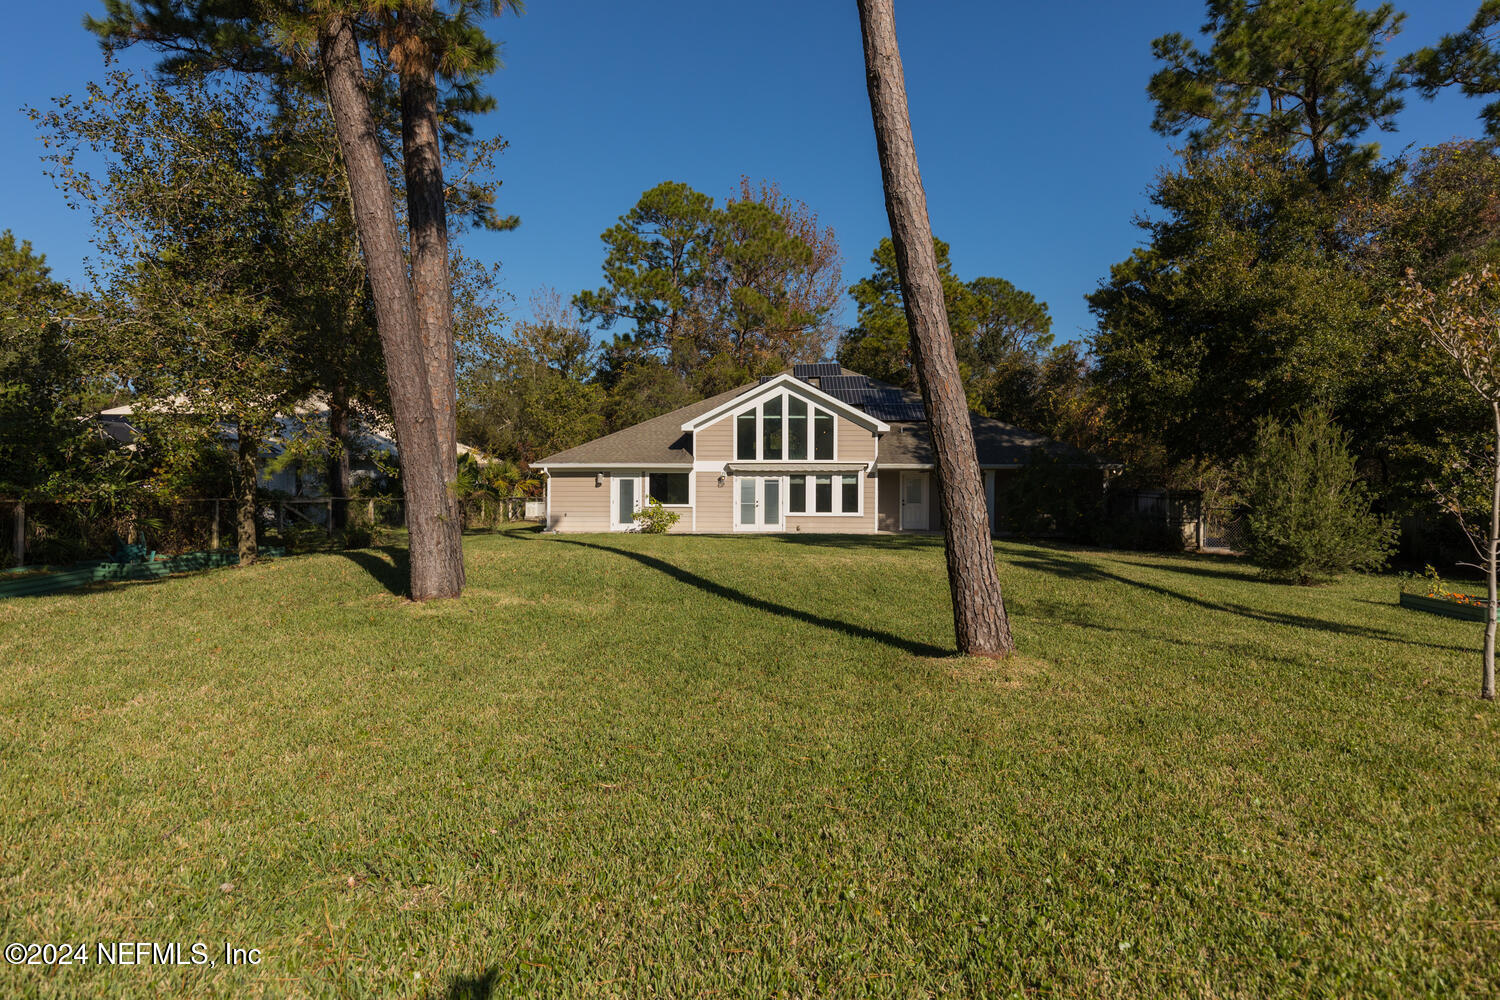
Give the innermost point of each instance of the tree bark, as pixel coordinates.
(1487, 680)
(427, 213)
(338, 462)
(247, 461)
(979, 620)
(436, 548)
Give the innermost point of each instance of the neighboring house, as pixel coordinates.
(815, 449)
(371, 437)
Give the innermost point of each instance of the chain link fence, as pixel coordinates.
(1224, 529)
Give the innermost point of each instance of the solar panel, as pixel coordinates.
(846, 383)
(897, 411)
(881, 401)
(821, 370)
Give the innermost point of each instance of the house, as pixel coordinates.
(818, 448)
(370, 436)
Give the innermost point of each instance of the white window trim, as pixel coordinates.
(616, 523)
(756, 406)
(838, 496)
(786, 380)
(642, 486)
(646, 475)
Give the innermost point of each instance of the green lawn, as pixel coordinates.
(626, 766)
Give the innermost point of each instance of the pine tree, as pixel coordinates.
(979, 618)
(1299, 76)
(1468, 60)
(413, 308)
(1309, 513)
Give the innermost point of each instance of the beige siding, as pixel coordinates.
(714, 443)
(684, 525)
(825, 524)
(715, 515)
(576, 504)
(853, 442)
(890, 501)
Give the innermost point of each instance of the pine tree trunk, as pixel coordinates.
(248, 454)
(338, 462)
(435, 546)
(979, 618)
(1487, 680)
(426, 203)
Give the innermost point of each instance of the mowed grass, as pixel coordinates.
(626, 766)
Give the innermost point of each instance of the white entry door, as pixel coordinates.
(914, 502)
(758, 504)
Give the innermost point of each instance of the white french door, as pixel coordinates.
(758, 504)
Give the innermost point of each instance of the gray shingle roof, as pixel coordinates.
(658, 441)
(661, 440)
(995, 443)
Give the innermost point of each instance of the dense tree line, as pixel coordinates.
(697, 298)
(1277, 239)
(1010, 366)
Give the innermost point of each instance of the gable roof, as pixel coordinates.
(897, 412)
(805, 386)
(658, 441)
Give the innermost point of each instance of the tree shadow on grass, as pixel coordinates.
(892, 543)
(480, 986)
(394, 573)
(1059, 565)
(760, 604)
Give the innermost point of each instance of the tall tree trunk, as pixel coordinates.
(338, 462)
(426, 203)
(979, 619)
(436, 547)
(1487, 681)
(247, 462)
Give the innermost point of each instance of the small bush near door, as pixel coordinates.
(654, 519)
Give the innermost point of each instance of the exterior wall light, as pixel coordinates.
(598, 479)
(721, 479)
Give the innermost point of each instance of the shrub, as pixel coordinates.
(359, 535)
(654, 519)
(1309, 513)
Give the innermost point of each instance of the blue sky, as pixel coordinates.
(1031, 121)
